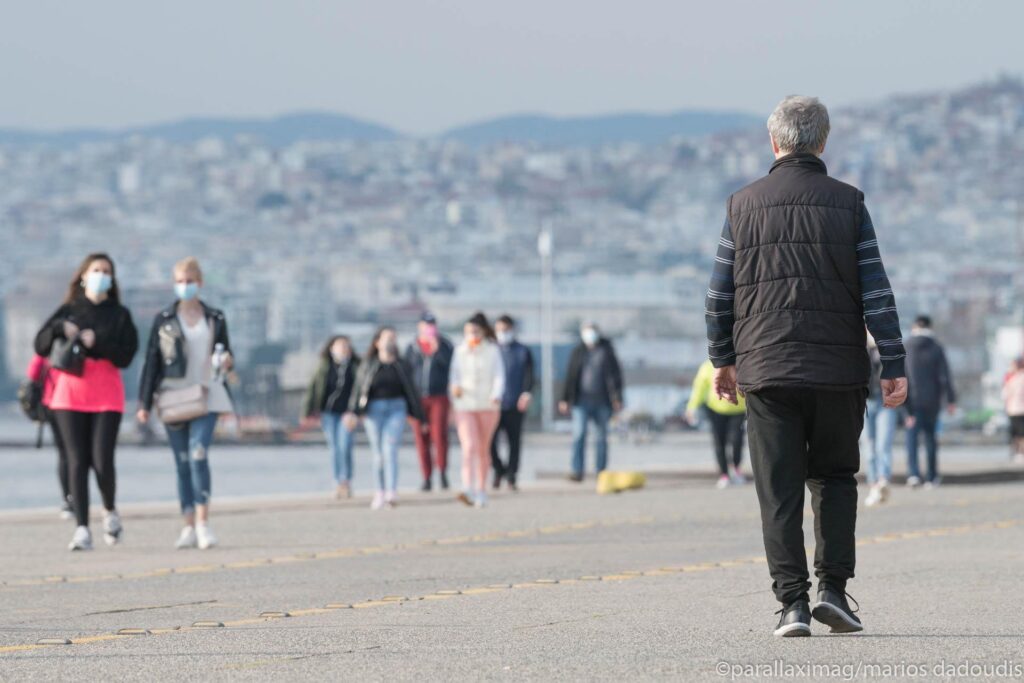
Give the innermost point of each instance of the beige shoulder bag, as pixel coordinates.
(181, 405)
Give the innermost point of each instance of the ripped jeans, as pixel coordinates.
(190, 443)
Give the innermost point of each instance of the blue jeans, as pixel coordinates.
(581, 416)
(190, 443)
(926, 424)
(876, 440)
(339, 442)
(385, 421)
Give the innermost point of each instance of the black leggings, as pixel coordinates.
(89, 440)
(727, 429)
(62, 458)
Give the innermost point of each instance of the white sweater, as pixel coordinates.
(480, 373)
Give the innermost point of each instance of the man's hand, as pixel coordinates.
(725, 384)
(894, 392)
(523, 404)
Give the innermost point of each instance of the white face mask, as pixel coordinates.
(590, 336)
(506, 336)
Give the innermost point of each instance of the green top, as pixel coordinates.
(703, 393)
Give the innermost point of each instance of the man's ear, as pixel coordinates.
(775, 147)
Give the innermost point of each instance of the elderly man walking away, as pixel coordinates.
(797, 276)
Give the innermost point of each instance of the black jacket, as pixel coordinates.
(165, 352)
(327, 392)
(611, 372)
(928, 376)
(364, 382)
(798, 310)
(117, 340)
(429, 374)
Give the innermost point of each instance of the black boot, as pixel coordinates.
(426, 486)
(444, 481)
(795, 620)
(833, 610)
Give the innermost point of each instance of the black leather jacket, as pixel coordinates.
(364, 382)
(165, 352)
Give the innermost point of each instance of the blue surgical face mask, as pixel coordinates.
(590, 336)
(98, 283)
(186, 291)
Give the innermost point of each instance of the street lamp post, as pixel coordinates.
(547, 322)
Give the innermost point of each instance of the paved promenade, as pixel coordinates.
(556, 581)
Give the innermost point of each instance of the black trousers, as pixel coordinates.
(89, 440)
(511, 423)
(726, 430)
(798, 437)
(62, 457)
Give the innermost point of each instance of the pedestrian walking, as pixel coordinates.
(728, 424)
(931, 383)
(40, 373)
(88, 340)
(515, 401)
(797, 276)
(592, 393)
(327, 398)
(1013, 400)
(879, 430)
(430, 356)
(184, 378)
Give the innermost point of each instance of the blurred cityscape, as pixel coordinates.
(309, 237)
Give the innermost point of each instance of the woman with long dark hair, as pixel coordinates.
(88, 393)
(384, 395)
(189, 351)
(328, 397)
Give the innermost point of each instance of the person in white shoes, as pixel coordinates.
(189, 347)
(91, 338)
(879, 430)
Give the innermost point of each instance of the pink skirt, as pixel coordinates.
(98, 390)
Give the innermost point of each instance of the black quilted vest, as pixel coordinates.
(799, 316)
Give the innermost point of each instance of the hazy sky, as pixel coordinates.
(424, 65)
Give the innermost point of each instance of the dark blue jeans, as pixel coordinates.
(926, 423)
(581, 416)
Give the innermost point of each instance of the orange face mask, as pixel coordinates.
(473, 342)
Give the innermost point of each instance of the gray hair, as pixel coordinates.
(799, 124)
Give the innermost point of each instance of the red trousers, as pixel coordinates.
(436, 409)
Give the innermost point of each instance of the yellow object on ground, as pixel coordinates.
(616, 482)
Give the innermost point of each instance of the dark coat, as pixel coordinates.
(798, 310)
(429, 374)
(928, 377)
(165, 353)
(611, 371)
(364, 381)
(327, 391)
(117, 340)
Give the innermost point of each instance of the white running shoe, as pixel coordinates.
(66, 512)
(874, 496)
(723, 482)
(112, 528)
(913, 482)
(883, 490)
(204, 537)
(480, 500)
(736, 477)
(187, 538)
(82, 540)
(378, 501)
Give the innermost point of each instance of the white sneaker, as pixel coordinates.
(480, 500)
(204, 537)
(82, 540)
(934, 484)
(378, 501)
(874, 496)
(112, 528)
(913, 482)
(883, 490)
(66, 512)
(187, 538)
(723, 482)
(391, 500)
(736, 477)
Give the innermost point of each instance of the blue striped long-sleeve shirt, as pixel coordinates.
(879, 304)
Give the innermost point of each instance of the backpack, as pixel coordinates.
(30, 397)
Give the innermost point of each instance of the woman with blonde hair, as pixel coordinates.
(89, 340)
(477, 384)
(187, 359)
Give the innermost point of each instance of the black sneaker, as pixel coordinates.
(444, 481)
(795, 620)
(426, 486)
(833, 610)
(512, 486)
